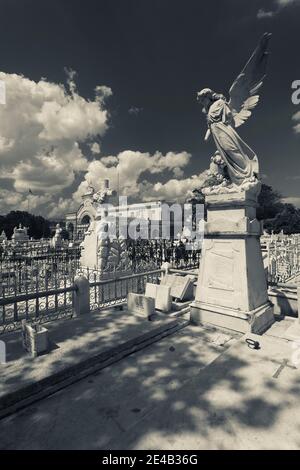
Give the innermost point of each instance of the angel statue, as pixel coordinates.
(223, 117)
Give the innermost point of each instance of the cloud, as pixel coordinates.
(60, 208)
(292, 200)
(292, 177)
(131, 166)
(134, 110)
(102, 93)
(95, 148)
(178, 172)
(284, 3)
(13, 200)
(174, 190)
(43, 125)
(6, 144)
(126, 169)
(278, 6)
(265, 14)
(45, 128)
(111, 160)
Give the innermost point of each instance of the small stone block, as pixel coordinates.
(140, 304)
(163, 301)
(151, 290)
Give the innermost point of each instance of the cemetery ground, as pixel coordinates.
(163, 385)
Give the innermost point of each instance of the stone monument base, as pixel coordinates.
(232, 287)
(257, 321)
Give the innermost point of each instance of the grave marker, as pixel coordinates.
(181, 286)
(161, 294)
(34, 338)
(140, 304)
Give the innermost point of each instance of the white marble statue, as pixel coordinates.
(238, 160)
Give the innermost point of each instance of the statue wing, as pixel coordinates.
(243, 92)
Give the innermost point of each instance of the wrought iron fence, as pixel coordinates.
(114, 291)
(21, 273)
(36, 285)
(35, 307)
(283, 257)
(159, 251)
(45, 303)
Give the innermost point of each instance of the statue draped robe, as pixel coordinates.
(240, 159)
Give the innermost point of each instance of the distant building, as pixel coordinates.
(78, 222)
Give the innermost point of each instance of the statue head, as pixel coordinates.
(204, 93)
(206, 97)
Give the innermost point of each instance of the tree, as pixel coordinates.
(270, 204)
(196, 197)
(38, 227)
(287, 220)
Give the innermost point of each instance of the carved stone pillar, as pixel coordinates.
(232, 288)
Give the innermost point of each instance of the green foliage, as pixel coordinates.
(269, 201)
(288, 220)
(197, 197)
(37, 225)
(276, 215)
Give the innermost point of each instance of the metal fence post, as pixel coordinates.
(81, 295)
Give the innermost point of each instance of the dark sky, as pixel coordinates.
(155, 55)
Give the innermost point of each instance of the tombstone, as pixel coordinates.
(35, 339)
(181, 286)
(151, 290)
(162, 296)
(163, 300)
(140, 305)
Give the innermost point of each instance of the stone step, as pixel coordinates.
(181, 313)
(28, 394)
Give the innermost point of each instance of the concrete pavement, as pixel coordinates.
(196, 389)
(99, 411)
(79, 347)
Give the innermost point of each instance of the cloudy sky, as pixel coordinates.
(101, 88)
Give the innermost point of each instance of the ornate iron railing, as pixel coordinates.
(43, 303)
(282, 257)
(35, 307)
(114, 291)
(158, 252)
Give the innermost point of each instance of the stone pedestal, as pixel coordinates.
(35, 339)
(232, 288)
